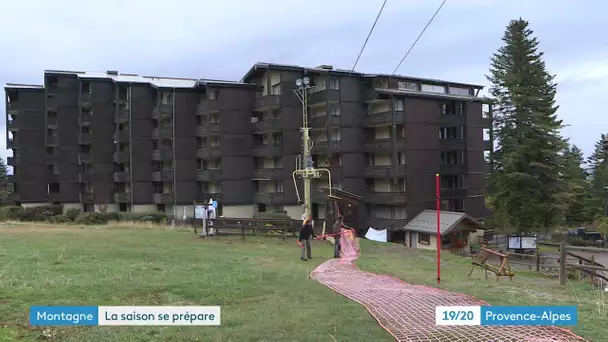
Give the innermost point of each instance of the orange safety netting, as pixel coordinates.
(408, 311)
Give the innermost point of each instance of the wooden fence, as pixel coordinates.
(232, 226)
(586, 265)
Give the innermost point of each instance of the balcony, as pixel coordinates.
(122, 115)
(84, 158)
(160, 176)
(382, 118)
(83, 119)
(51, 140)
(385, 197)
(458, 144)
(84, 177)
(121, 136)
(53, 196)
(85, 138)
(267, 150)
(453, 193)
(52, 158)
(208, 129)
(208, 152)
(267, 102)
(325, 120)
(384, 223)
(86, 197)
(12, 143)
(162, 132)
(208, 175)
(122, 157)
(377, 171)
(330, 95)
(266, 126)
(163, 198)
(379, 145)
(122, 197)
(52, 98)
(162, 154)
(12, 161)
(453, 168)
(268, 174)
(162, 111)
(207, 107)
(85, 100)
(12, 125)
(13, 110)
(121, 177)
(268, 198)
(52, 123)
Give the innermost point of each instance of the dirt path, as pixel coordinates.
(408, 311)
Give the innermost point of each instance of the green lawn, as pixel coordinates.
(261, 284)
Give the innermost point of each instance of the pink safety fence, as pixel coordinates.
(408, 311)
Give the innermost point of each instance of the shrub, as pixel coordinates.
(63, 218)
(10, 212)
(158, 217)
(112, 216)
(72, 213)
(40, 213)
(91, 219)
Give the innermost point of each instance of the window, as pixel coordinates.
(398, 105)
(400, 130)
(336, 184)
(278, 162)
(277, 139)
(86, 87)
(334, 110)
(486, 134)
(335, 160)
(371, 159)
(453, 108)
(398, 185)
(278, 186)
(452, 157)
(407, 86)
(400, 158)
(451, 133)
(334, 83)
(215, 141)
(275, 89)
(453, 204)
(335, 134)
(214, 119)
(424, 239)
(276, 114)
(166, 98)
(452, 181)
(431, 88)
(214, 94)
(460, 90)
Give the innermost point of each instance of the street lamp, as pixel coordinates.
(305, 167)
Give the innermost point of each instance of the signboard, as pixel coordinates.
(522, 242)
(200, 211)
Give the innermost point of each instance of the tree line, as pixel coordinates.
(538, 180)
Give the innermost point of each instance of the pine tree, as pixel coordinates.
(526, 185)
(578, 187)
(598, 169)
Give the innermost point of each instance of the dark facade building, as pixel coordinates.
(140, 143)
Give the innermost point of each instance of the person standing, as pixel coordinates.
(336, 230)
(306, 232)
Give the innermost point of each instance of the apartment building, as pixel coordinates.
(142, 143)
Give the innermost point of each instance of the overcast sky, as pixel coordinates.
(223, 38)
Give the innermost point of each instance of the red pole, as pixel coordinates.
(438, 204)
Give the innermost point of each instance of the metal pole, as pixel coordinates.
(306, 153)
(438, 203)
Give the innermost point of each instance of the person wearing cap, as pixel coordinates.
(306, 232)
(337, 229)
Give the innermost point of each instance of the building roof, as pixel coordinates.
(426, 222)
(223, 83)
(330, 69)
(417, 93)
(154, 81)
(23, 86)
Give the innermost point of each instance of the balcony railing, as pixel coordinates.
(85, 139)
(84, 177)
(207, 129)
(120, 177)
(162, 110)
(330, 95)
(162, 154)
(83, 119)
(269, 198)
(377, 171)
(12, 125)
(267, 150)
(384, 223)
(208, 152)
(86, 197)
(51, 140)
(267, 102)
(162, 132)
(453, 143)
(122, 115)
(208, 175)
(275, 173)
(385, 197)
(164, 175)
(122, 197)
(121, 136)
(122, 157)
(85, 99)
(382, 118)
(84, 158)
(207, 107)
(163, 198)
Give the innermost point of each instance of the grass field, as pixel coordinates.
(261, 284)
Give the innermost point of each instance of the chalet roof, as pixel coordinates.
(426, 222)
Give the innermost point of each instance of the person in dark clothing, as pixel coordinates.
(336, 229)
(306, 232)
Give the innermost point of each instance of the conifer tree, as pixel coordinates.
(526, 185)
(598, 169)
(578, 187)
